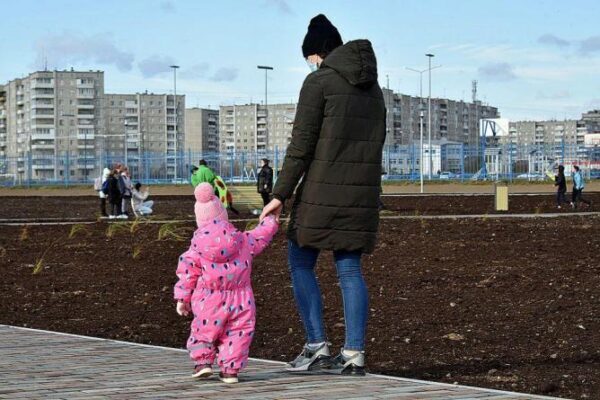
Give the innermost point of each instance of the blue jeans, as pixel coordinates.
(302, 263)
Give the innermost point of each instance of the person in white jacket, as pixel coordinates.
(140, 205)
(101, 194)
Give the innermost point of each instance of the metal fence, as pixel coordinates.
(449, 161)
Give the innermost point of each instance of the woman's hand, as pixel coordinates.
(274, 207)
(183, 308)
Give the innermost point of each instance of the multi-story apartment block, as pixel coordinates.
(144, 125)
(60, 125)
(563, 141)
(592, 121)
(201, 130)
(254, 128)
(49, 115)
(455, 121)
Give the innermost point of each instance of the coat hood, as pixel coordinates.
(105, 173)
(355, 61)
(217, 241)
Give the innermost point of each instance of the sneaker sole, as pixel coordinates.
(203, 373)
(353, 370)
(321, 362)
(229, 381)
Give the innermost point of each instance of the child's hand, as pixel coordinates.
(183, 308)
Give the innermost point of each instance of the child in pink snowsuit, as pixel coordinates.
(214, 283)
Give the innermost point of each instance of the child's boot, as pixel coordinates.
(202, 371)
(228, 378)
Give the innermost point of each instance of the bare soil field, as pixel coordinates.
(181, 207)
(500, 303)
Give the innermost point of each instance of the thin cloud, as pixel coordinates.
(497, 72)
(282, 6)
(167, 6)
(590, 45)
(196, 71)
(225, 75)
(155, 65)
(68, 49)
(553, 40)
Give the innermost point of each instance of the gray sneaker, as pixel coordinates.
(311, 359)
(354, 365)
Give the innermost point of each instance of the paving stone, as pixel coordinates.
(74, 367)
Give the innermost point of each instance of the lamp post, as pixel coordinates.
(421, 116)
(68, 172)
(267, 69)
(429, 56)
(175, 67)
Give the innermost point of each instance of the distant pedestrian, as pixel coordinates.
(578, 186)
(215, 286)
(264, 182)
(202, 174)
(126, 189)
(561, 187)
(140, 204)
(101, 188)
(114, 194)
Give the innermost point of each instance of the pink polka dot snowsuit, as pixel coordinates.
(214, 275)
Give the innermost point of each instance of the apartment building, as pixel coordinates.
(201, 130)
(60, 125)
(455, 121)
(560, 140)
(48, 115)
(592, 121)
(255, 128)
(144, 125)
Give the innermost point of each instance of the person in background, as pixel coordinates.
(101, 191)
(578, 186)
(561, 187)
(114, 194)
(264, 182)
(202, 174)
(126, 188)
(140, 205)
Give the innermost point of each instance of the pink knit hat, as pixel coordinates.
(208, 207)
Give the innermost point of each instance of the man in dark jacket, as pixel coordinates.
(336, 152)
(264, 182)
(561, 187)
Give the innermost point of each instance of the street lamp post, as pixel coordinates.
(267, 69)
(429, 56)
(421, 117)
(175, 67)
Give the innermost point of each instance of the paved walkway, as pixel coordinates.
(48, 365)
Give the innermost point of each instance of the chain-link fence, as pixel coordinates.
(449, 161)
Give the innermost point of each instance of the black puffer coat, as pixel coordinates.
(336, 150)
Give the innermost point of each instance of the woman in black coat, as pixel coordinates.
(335, 154)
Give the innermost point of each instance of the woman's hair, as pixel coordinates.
(137, 186)
(576, 167)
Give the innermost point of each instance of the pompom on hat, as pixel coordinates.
(208, 207)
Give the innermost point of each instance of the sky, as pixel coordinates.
(532, 59)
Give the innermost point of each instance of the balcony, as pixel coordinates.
(35, 84)
(43, 136)
(133, 145)
(42, 106)
(85, 84)
(81, 95)
(83, 136)
(85, 146)
(45, 146)
(42, 164)
(42, 95)
(85, 123)
(85, 106)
